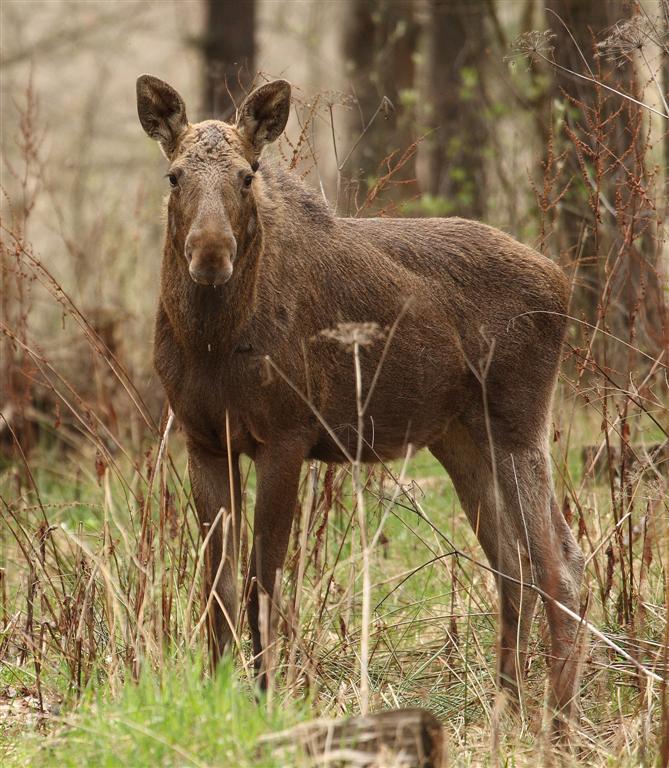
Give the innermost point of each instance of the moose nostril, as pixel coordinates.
(191, 247)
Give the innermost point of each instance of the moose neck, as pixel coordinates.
(206, 318)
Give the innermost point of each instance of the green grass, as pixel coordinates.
(432, 636)
(181, 717)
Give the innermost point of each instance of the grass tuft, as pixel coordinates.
(179, 716)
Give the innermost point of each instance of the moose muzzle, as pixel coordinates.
(210, 257)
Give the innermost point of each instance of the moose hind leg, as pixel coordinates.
(517, 605)
(556, 562)
(470, 472)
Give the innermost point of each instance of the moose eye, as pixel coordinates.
(173, 179)
(248, 179)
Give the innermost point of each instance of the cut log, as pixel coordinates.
(398, 738)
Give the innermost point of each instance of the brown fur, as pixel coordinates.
(286, 269)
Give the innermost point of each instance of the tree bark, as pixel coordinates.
(455, 167)
(575, 38)
(603, 226)
(397, 737)
(379, 44)
(228, 47)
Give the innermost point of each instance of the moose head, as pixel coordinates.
(211, 208)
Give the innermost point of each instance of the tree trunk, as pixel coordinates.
(228, 46)
(379, 45)
(603, 224)
(586, 107)
(454, 167)
(665, 86)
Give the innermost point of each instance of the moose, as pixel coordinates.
(257, 276)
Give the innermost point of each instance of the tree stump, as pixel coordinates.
(399, 738)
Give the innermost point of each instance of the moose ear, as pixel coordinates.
(161, 111)
(263, 114)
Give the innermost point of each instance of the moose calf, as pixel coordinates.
(255, 268)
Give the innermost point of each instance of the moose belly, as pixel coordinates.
(384, 436)
(390, 430)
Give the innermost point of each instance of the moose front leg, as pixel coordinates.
(277, 478)
(212, 477)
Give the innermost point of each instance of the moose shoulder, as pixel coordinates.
(457, 328)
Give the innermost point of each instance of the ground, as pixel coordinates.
(114, 646)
